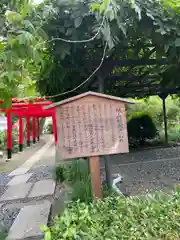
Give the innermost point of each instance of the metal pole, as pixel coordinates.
(106, 158)
(163, 97)
(165, 120)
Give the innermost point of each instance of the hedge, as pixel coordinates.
(155, 216)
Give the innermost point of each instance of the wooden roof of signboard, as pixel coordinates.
(95, 94)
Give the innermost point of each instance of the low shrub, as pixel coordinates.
(155, 216)
(140, 128)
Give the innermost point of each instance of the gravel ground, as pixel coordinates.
(140, 178)
(4, 179)
(41, 173)
(7, 217)
(2, 190)
(146, 155)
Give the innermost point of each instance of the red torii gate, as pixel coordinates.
(22, 108)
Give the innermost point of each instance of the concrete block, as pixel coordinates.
(16, 192)
(19, 171)
(43, 188)
(20, 179)
(28, 222)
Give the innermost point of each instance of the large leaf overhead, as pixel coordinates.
(21, 36)
(123, 24)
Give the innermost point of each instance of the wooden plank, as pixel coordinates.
(95, 177)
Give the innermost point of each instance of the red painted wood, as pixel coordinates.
(34, 128)
(38, 127)
(20, 130)
(9, 130)
(54, 127)
(28, 128)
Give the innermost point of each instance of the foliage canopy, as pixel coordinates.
(132, 29)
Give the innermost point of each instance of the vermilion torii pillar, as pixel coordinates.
(54, 127)
(20, 133)
(38, 128)
(28, 131)
(36, 111)
(34, 129)
(9, 135)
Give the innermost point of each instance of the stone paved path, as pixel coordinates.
(26, 196)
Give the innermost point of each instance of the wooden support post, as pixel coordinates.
(20, 134)
(163, 97)
(106, 158)
(94, 165)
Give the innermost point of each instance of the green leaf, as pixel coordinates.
(121, 26)
(95, 7)
(29, 26)
(69, 32)
(25, 38)
(47, 235)
(166, 48)
(13, 16)
(161, 31)
(137, 10)
(150, 15)
(2, 45)
(36, 56)
(77, 22)
(177, 42)
(44, 228)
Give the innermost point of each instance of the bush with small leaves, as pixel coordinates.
(155, 216)
(140, 128)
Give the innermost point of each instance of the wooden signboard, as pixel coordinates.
(91, 125)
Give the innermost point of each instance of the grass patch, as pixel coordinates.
(155, 216)
(3, 235)
(77, 174)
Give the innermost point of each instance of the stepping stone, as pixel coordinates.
(28, 222)
(19, 171)
(16, 192)
(43, 188)
(20, 179)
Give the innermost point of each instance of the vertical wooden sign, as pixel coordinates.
(91, 125)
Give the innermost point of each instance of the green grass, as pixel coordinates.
(76, 173)
(152, 217)
(3, 236)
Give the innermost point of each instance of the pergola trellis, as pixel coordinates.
(136, 77)
(24, 109)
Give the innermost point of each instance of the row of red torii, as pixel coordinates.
(34, 111)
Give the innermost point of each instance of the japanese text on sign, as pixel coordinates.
(91, 129)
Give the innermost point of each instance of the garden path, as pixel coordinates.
(27, 192)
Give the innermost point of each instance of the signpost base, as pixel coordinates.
(95, 177)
